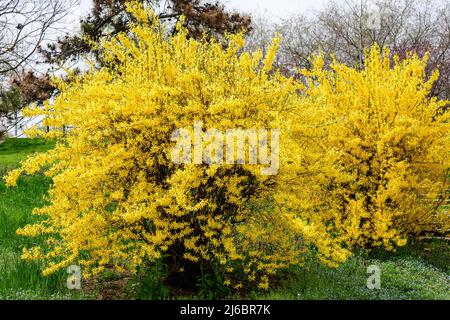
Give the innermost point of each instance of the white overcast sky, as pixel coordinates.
(275, 9)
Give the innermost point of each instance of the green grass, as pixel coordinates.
(21, 279)
(419, 271)
(13, 150)
(402, 277)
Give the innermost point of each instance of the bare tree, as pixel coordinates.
(24, 25)
(343, 29)
(300, 41)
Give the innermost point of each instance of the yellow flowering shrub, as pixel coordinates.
(118, 201)
(370, 150)
(363, 156)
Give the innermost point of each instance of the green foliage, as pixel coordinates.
(10, 101)
(210, 284)
(149, 283)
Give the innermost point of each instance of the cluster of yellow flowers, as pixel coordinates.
(361, 152)
(371, 151)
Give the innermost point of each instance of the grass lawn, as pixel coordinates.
(12, 151)
(418, 271)
(21, 279)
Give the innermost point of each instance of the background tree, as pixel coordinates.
(342, 29)
(10, 105)
(109, 17)
(22, 90)
(24, 26)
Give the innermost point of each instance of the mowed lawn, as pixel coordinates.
(417, 271)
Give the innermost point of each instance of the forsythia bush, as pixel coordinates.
(362, 159)
(117, 199)
(371, 150)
